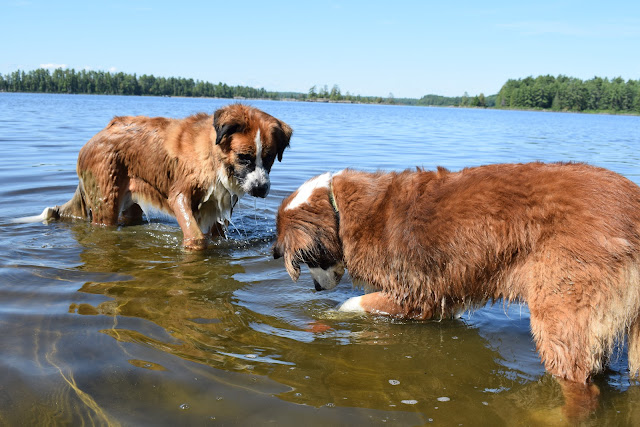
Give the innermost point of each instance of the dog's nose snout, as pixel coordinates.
(317, 285)
(260, 191)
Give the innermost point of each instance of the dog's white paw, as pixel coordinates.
(352, 305)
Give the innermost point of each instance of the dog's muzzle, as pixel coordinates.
(325, 279)
(260, 190)
(257, 183)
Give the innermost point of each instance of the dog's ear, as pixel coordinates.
(281, 136)
(224, 125)
(290, 263)
(292, 266)
(277, 252)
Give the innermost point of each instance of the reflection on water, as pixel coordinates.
(121, 326)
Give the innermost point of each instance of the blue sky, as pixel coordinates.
(408, 48)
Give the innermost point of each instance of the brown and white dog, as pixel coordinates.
(564, 238)
(195, 169)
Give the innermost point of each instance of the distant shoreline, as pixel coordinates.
(542, 93)
(353, 102)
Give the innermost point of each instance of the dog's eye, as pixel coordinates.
(270, 158)
(323, 264)
(323, 261)
(245, 159)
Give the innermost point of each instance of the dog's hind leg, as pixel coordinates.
(561, 335)
(560, 338)
(634, 348)
(105, 191)
(572, 318)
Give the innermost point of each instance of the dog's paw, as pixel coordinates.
(352, 305)
(195, 244)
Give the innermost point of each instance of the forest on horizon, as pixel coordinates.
(559, 93)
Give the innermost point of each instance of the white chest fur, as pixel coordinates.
(218, 202)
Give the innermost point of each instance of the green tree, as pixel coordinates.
(482, 102)
(312, 92)
(391, 99)
(324, 92)
(465, 99)
(335, 94)
(556, 105)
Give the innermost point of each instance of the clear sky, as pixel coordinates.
(408, 48)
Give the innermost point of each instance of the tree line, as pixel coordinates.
(106, 83)
(564, 93)
(560, 93)
(323, 94)
(459, 101)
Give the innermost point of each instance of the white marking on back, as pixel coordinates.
(306, 190)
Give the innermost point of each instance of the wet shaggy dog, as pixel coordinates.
(195, 169)
(564, 238)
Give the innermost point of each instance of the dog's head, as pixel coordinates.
(250, 140)
(307, 233)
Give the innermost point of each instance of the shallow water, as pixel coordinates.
(121, 326)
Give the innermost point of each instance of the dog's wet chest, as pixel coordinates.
(215, 206)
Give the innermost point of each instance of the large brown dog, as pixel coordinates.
(195, 169)
(564, 238)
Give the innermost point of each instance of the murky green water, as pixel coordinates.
(121, 326)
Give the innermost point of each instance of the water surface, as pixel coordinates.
(121, 326)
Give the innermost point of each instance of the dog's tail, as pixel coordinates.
(74, 208)
(47, 214)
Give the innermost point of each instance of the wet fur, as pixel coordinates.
(564, 238)
(184, 167)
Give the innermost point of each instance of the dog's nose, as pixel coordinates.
(317, 285)
(260, 191)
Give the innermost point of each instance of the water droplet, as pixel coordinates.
(485, 403)
(394, 382)
(409, 402)
(184, 406)
(443, 399)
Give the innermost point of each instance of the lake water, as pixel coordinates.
(121, 326)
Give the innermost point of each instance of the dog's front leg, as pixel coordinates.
(193, 238)
(383, 304)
